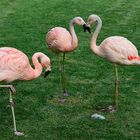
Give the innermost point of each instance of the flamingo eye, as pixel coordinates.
(89, 20)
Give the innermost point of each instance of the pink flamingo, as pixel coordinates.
(14, 65)
(59, 40)
(116, 49)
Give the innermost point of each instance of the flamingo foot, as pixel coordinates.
(111, 109)
(65, 94)
(64, 97)
(19, 133)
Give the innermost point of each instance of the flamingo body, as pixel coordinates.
(118, 50)
(14, 65)
(59, 40)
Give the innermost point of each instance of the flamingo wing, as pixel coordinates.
(117, 48)
(13, 63)
(58, 39)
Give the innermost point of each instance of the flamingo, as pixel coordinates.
(116, 49)
(59, 40)
(14, 65)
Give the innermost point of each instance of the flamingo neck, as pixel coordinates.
(74, 42)
(93, 44)
(37, 66)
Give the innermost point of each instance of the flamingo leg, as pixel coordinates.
(12, 91)
(64, 77)
(60, 71)
(116, 82)
(116, 88)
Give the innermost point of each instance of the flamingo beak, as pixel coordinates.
(86, 28)
(46, 73)
(48, 70)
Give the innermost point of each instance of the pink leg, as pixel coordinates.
(64, 78)
(12, 91)
(116, 89)
(115, 107)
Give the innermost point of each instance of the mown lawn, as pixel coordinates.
(23, 25)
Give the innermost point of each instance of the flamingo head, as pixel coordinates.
(92, 19)
(79, 21)
(45, 62)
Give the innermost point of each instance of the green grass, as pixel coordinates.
(23, 25)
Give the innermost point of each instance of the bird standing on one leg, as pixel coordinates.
(59, 40)
(14, 65)
(116, 49)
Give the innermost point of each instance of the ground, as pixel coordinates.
(23, 25)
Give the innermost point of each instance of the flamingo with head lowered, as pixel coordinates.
(59, 40)
(14, 65)
(116, 49)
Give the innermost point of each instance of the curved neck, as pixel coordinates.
(93, 44)
(38, 67)
(74, 41)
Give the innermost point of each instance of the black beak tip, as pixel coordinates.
(46, 73)
(86, 28)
